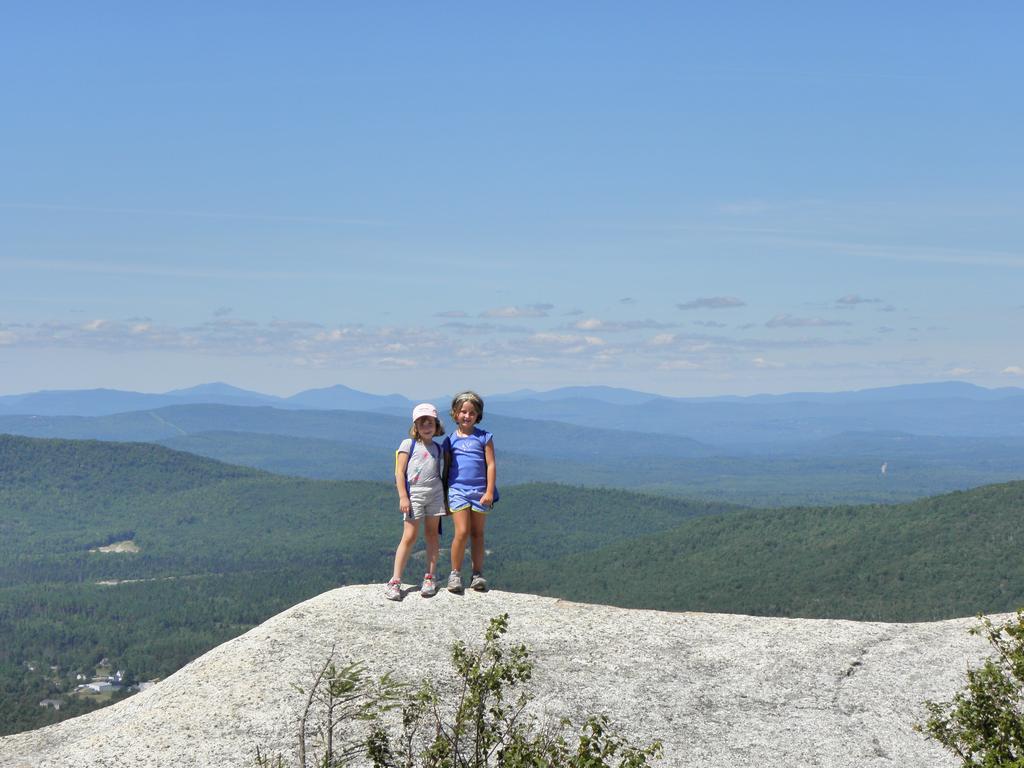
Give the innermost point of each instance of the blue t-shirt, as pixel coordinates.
(467, 477)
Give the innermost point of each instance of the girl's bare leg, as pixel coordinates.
(430, 533)
(409, 531)
(461, 519)
(477, 523)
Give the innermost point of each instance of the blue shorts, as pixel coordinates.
(466, 498)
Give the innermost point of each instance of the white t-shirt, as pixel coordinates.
(423, 472)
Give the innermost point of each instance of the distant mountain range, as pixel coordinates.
(765, 450)
(844, 467)
(736, 423)
(104, 402)
(367, 430)
(770, 421)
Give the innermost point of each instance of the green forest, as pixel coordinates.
(843, 472)
(935, 558)
(221, 548)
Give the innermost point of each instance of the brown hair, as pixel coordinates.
(415, 433)
(469, 396)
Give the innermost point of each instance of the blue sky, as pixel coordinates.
(419, 197)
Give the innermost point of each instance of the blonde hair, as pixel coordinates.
(469, 396)
(415, 433)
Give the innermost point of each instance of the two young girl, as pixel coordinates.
(466, 461)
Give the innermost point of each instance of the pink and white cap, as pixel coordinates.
(424, 409)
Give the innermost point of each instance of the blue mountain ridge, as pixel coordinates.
(102, 401)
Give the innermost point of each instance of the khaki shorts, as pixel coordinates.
(418, 511)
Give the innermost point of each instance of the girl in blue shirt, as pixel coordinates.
(471, 486)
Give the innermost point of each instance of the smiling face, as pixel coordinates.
(467, 417)
(426, 426)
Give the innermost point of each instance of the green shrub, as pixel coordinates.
(483, 723)
(337, 700)
(984, 723)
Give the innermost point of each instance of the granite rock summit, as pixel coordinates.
(719, 690)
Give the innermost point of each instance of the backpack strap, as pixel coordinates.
(446, 466)
(397, 452)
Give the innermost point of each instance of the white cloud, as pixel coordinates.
(608, 356)
(593, 324)
(591, 345)
(760, 362)
(960, 371)
(678, 365)
(395, 362)
(532, 310)
(789, 321)
(484, 328)
(335, 335)
(294, 325)
(720, 344)
(1014, 370)
(553, 346)
(713, 302)
(852, 300)
(312, 361)
(529, 362)
(310, 343)
(564, 339)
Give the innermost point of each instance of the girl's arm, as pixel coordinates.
(487, 499)
(401, 464)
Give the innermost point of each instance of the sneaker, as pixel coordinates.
(479, 583)
(455, 583)
(429, 586)
(394, 590)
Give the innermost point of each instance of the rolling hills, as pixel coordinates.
(348, 445)
(221, 547)
(945, 556)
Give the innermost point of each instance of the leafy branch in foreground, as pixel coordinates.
(487, 725)
(337, 699)
(984, 723)
(482, 721)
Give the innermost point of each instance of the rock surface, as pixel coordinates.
(717, 689)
